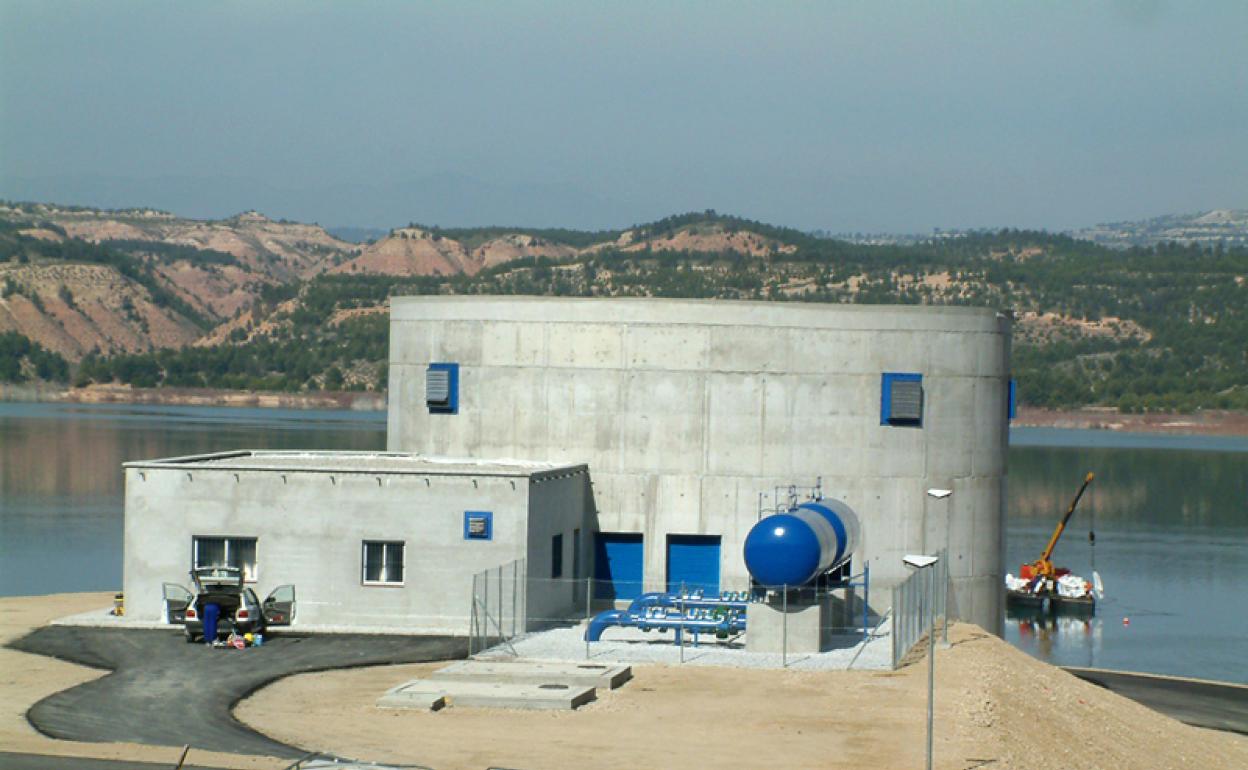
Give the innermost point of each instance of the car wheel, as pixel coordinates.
(190, 638)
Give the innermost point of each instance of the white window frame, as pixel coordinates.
(385, 551)
(249, 576)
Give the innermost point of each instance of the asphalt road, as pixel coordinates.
(1203, 704)
(166, 692)
(14, 761)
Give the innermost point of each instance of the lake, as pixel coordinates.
(1170, 515)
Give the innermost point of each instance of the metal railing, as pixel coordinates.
(920, 602)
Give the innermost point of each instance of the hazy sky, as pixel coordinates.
(847, 116)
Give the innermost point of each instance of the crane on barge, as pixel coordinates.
(1041, 585)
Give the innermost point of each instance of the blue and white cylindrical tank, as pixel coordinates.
(794, 548)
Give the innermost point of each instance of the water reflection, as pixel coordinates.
(1171, 545)
(1047, 636)
(1170, 513)
(61, 483)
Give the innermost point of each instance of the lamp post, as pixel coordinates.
(920, 562)
(941, 494)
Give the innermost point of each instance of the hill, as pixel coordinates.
(1221, 226)
(1140, 328)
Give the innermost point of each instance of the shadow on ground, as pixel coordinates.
(166, 692)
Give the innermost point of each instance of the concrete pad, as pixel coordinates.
(405, 697)
(429, 694)
(598, 675)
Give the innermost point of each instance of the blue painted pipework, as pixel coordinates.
(660, 612)
(797, 546)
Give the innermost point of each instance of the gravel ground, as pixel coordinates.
(631, 645)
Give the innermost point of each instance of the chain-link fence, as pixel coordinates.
(499, 610)
(920, 603)
(639, 621)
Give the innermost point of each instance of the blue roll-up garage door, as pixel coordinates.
(618, 558)
(693, 561)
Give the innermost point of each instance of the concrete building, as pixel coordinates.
(685, 411)
(369, 540)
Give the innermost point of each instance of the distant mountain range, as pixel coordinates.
(148, 298)
(1228, 227)
(1220, 226)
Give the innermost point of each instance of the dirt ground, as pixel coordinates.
(995, 707)
(26, 679)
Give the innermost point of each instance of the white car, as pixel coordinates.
(239, 609)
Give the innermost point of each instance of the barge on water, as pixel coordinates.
(1041, 588)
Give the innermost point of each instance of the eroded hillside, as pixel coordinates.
(73, 309)
(1140, 328)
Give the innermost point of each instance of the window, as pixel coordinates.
(478, 525)
(237, 552)
(442, 388)
(901, 399)
(556, 556)
(383, 562)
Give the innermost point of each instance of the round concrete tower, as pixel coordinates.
(685, 410)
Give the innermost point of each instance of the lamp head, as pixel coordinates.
(939, 494)
(919, 561)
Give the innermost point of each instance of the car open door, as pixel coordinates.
(279, 606)
(177, 599)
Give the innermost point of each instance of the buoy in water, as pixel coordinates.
(1126, 621)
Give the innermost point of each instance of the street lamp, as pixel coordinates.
(918, 562)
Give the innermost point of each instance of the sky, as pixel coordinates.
(842, 116)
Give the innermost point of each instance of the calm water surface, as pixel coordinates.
(1170, 515)
(61, 484)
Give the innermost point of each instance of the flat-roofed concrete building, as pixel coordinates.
(380, 541)
(685, 411)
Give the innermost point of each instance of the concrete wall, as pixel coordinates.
(685, 410)
(556, 507)
(310, 526)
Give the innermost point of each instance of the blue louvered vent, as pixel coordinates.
(901, 399)
(442, 388)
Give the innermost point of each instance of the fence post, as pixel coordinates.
(866, 594)
(680, 626)
(485, 603)
(501, 632)
(472, 614)
(515, 587)
(784, 643)
(944, 599)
